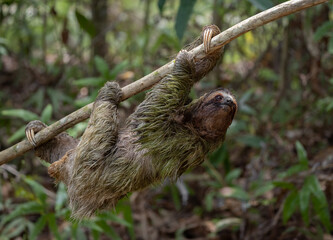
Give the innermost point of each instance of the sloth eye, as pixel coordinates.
(218, 98)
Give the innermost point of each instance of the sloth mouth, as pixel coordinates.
(228, 105)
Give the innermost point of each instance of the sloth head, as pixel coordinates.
(211, 115)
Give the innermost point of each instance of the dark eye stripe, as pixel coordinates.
(218, 97)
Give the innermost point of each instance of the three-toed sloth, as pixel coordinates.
(165, 136)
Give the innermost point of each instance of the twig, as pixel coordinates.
(148, 81)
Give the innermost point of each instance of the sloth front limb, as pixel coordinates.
(101, 135)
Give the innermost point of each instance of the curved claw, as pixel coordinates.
(32, 128)
(31, 136)
(207, 37)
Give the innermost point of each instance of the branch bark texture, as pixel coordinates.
(149, 80)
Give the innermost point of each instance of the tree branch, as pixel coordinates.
(148, 81)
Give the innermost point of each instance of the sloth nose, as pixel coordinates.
(228, 101)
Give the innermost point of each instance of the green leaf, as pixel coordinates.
(86, 24)
(304, 200)
(160, 5)
(102, 67)
(90, 81)
(20, 113)
(36, 99)
(166, 39)
(315, 189)
(38, 227)
(15, 228)
(62, 7)
(232, 175)
(319, 201)
(80, 234)
(83, 101)
(251, 140)
(329, 106)
(96, 234)
(114, 218)
(263, 189)
(268, 74)
(244, 108)
(52, 223)
(3, 41)
(183, 15)
(61, 197)
(323, 30)
(38, 190)
(175, 197)
(220, 156)
(301, 154)
(179, 234)
(108, 230)
(23, 209)
(247, 96)
(295, 169)
(285, 185)
(57, 97)
(330, 45)
(323, 212)
(209, 199)
(118, 69)
(227, 223)
(290, 206)
(92, 225)
(125, 208)
(238, 193)
(47, 113)
(262, 4)
(19, 134)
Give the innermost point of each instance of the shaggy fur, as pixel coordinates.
(164, 137)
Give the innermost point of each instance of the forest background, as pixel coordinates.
(271, 179)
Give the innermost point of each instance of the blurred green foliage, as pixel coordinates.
(37, 204)
(265, 174)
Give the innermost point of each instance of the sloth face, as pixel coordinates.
(220, 99)
(213, 113)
